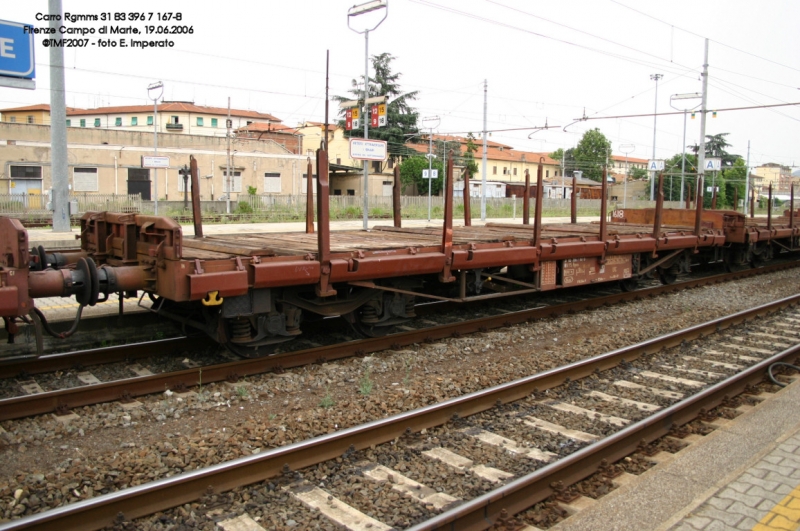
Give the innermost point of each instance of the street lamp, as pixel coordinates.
(654, 77)
(687, 96)
(361, 9)
(433, 122)
(626, 149)
(151, 93)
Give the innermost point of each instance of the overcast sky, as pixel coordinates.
(545, 62)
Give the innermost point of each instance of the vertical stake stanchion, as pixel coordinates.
(698, 200)
(447, 226)
(197, 214)
(604, 212)
(769, 210)
(659, 212)
(526, 200)
(467, 200)
(309, 199)
(573, 211)
(537, 216)
(323, 289)
(396, 197)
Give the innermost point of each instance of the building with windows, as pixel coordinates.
(107, 161)
(31, 114)
(779, 176)
(173, 117)
(504, 163)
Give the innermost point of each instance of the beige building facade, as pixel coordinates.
(174, 117)
(103, 161)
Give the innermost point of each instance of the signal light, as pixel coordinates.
(713, 114)
(692, 116)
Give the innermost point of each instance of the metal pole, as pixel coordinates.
(430, 167)
(625, 186)
(656, 77)
(228, 177)
(701, 154)
(58, 131)
(683, 157)
(483, 161)
(153, 86)
(365, 115)
(747, 180)
(355, 11)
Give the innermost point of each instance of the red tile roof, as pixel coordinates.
(37, 107)
(631, 160)
(268, 127)
(177, 106)
(497, 154)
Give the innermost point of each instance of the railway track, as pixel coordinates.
(475, 460)
(88, 389)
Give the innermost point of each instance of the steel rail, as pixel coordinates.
(12, 367)
(48, 402)
(479, 513)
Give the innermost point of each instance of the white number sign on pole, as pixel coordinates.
(434, 174)
(655, 165)
(713, 164)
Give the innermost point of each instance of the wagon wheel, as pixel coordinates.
(764, 255)
(734, 260)
(368, 329)
(260, 350)
(629, 284)
(668, 275)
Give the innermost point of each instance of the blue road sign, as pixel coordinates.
(16, 50)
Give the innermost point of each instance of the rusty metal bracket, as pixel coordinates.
(657, 263)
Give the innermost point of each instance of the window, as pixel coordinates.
(505, 171)
(31, 119)
(515, 171)
(213, 122)
(188, 184)
(200, 121)
(337, 192)
(69, 122)
(249, 122)
(351, 192)
(83, 122)
(174, 120)
(272, 183)
(547, 174)
(97, 122)
(376, 165)
(236, 178)
(149, 120)
(12, 119)
(26, 172)
(134, 120)
(494, 170)
(118, 121)
(304, 184)
(84, 179)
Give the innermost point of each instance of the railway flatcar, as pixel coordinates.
(251, 292)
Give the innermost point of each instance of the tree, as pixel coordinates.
(591, 154)
(468, 157)
(401, 118)
(411, 173)
(735, 179)
(638, 173)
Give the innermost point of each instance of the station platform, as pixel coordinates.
(745, 475)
